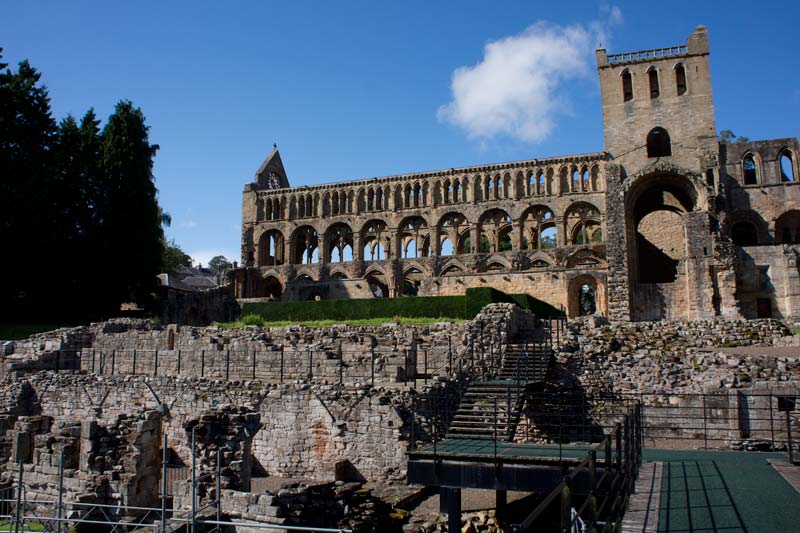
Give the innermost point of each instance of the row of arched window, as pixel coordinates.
(653, 82)
(421, 194)
(751, 171)
(787, 230)
(536, 230)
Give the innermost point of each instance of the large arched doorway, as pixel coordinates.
(659, 216)
(271, 288)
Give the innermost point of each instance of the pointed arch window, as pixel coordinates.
(680, 79)
(749, 170)
(627, 86)
(787, 166)
(652, 77)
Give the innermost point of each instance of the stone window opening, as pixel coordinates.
(583, 224)
(306, 246)
(411, 282)
(446, 247)
(335, 203)
(587, 300)
(749, 170)
(576, 180)
(377, 284)
(787, 227)
(340, 238)
(375, 239)
(652, 77)
(658, 143)
(744, 234)
(270, 248)
(587, 232)
(464, 245)
(539, 231)
(786, 164)
(373, 250)
(680, 79)
(495, 226)
(627, 86)
(271, 288)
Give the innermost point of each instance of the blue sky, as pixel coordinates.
(353, 90)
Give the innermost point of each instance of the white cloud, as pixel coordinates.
(514, 89)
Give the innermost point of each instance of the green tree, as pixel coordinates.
(132, 236)
(173, 257)
(728, 137)
(218, 263)
(27, 202)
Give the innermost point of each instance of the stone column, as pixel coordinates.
(322, 247)
(561, 231)
(475, 238)
(516, 235)
(618, 287)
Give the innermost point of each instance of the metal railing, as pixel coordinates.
(604, 503)
(23, 513)
(654, 53)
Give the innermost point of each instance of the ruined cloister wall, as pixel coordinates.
(351, 354)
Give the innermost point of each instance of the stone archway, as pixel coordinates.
(271, 287)
(668, 241)
(586, 296)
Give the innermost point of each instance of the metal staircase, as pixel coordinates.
(490, 409)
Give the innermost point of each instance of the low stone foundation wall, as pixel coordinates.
(672, 357)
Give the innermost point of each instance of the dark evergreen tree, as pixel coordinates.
(78, 190)
(80, 224)
(132, 237)
(27, 202)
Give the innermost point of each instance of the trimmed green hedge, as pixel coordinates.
(466, 306)
(479, 297)
(420, 306)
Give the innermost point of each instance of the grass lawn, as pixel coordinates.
(323, 323)
(10, 332)
(8, 525)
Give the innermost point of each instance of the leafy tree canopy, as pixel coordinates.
(218, 263)
(728, 137)
(173, 257)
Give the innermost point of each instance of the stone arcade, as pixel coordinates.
(665, 223)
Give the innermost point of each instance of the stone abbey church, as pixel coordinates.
(665, 223)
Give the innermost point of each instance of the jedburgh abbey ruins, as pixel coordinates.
(681, 251)
(664, 223)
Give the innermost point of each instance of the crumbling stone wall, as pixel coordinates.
(114, 463)
(670, 357)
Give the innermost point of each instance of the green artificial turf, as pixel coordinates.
(721, 491)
